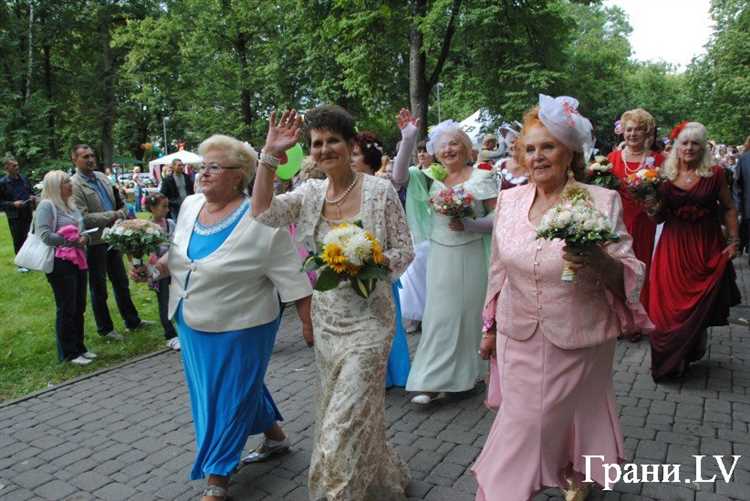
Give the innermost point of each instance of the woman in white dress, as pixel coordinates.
(446, 360)
(351, 458)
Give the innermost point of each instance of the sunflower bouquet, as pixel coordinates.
(600, 173)
(576, 221)
(351, 253)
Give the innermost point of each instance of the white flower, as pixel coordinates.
(649, 161)
(564, 217)
(358, 249)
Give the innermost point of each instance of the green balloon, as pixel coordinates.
(293, 164)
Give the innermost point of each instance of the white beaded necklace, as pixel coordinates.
(628, 170)
(340, 198)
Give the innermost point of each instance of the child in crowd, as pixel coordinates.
(158, 205)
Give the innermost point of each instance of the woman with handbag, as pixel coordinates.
(54, 217)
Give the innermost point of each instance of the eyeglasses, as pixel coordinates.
(215, 168)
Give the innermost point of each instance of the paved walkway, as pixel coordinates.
(126, 434)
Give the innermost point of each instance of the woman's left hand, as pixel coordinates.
(283, 134)
(731, 250)
(591, 256)
(456, 225)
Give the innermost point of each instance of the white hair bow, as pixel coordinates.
(438, 130)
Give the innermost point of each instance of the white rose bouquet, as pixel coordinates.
(576, 221)
(599, 172)
(135, 238)
(349, 253)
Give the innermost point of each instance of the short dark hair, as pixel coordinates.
(76, 147)
(372, 149)
(421, 146)
(332, 118)
(153, 199)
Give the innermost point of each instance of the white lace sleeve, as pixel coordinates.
(398, 247)
(285, 209)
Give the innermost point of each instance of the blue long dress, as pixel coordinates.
(397, 371)
(224, 372)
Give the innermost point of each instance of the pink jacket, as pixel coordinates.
(525, 292)
(73, 254)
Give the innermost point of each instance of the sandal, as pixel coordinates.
(216, 491)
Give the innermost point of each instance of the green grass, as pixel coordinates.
(28, 353)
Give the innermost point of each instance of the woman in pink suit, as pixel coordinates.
(555, 341)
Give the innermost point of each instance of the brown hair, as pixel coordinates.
(531, 119)
(153, 199)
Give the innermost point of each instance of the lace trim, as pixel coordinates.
(204, 230)
(505, 174)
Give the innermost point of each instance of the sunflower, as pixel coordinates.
(334, 257)
(377, 253)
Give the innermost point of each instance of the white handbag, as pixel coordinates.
(35, 254)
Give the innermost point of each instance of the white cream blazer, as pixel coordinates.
(235, 287)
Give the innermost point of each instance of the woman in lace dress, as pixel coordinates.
(351, 459)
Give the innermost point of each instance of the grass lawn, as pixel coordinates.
(28, 353)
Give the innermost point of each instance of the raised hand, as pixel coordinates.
(283, 134)
(405, 118)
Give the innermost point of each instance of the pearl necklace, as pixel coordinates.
(340, 198)
(628, 170)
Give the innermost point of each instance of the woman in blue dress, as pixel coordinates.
(229, 275)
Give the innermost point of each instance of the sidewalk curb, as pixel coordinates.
(75, 380)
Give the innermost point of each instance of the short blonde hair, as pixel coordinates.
(462, 137)
(240, 153)
(52, 190)
(695, 131)
(640, 117)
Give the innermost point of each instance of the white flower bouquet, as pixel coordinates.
(349, 253)
(576, 221)
(599, 172)
(135, 238)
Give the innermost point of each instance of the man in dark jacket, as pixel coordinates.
(742, 195)
(17, 201)
(176, 187)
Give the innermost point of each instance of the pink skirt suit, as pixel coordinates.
(555, 350)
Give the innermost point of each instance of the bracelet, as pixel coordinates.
(269, 160)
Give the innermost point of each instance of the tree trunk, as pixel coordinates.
(51, 135)
(108, 90)
(245, 95)
(29, 71)
(418, 91)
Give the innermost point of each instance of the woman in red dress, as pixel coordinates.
(638, 128)
(692, 282)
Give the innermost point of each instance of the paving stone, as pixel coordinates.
(55, 490)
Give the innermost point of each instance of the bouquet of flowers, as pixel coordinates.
(453, 202)
(643, 185)
(349, 253)
(600, 173)
(135, 238)
(576, 221)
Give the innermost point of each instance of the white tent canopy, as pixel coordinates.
(477, 125)
(187, 157)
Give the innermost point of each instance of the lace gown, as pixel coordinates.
(351, 458)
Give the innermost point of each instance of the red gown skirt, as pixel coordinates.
(640, 226)
(692, 284)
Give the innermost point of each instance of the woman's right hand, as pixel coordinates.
(139, 273)
(283, 134)
(488, 345)
(405, 118)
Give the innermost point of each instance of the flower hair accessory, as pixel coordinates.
(618, 128)
(437, 131)
(561, 118)
(677, 129)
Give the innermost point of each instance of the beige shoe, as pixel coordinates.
(577, 492)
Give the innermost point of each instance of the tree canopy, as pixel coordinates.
(117, 73)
